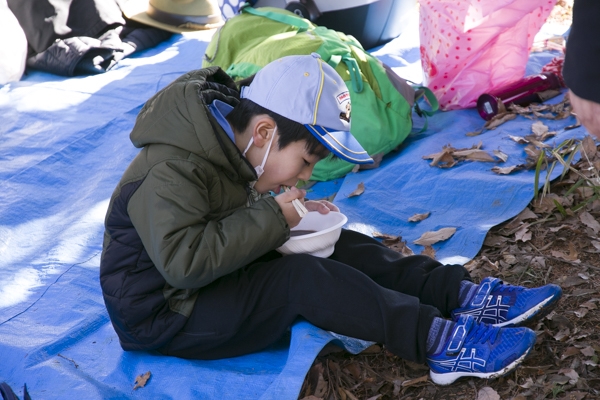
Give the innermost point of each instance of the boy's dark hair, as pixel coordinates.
(289, 131)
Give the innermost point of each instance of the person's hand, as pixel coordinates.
(285, 202)
(587, 112)
(322, 206)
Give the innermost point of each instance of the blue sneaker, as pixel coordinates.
(479, 350)
(506, 305)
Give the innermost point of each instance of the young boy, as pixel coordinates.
(189, 268)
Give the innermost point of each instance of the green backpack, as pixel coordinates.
(381, 101)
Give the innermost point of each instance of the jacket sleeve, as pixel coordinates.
(582, 58)
(171, 211)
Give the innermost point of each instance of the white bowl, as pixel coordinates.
(321, 243)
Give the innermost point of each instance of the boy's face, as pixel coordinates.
(284, 166)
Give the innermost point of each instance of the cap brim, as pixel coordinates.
(341, 143)
(136, 11)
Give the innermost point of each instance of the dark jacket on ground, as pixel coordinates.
(582, 59)
(179, 218)
(80, 37)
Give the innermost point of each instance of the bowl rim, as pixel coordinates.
(321, 232)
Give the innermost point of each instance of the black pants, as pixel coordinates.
(364, 290)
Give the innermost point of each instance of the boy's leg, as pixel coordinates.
(430, 281)
(251, 308)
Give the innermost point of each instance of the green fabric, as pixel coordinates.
(190, 210)
(381, 116)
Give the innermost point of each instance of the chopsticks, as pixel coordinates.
(300, 209)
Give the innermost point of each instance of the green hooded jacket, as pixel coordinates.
(178, 219)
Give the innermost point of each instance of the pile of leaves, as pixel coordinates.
(554, 240)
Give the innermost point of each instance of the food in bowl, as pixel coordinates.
(316, 234)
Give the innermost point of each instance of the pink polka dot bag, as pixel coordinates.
(469, 47)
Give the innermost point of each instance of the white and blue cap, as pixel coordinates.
(309, 91)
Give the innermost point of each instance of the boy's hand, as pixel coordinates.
(322, 206)
(285, 202)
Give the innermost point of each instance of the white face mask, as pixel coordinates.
(260, 169)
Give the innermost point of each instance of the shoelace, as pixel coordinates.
(483, 333)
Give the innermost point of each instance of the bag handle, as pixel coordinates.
(421, 91)
(292, 20)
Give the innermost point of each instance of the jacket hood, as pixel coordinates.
(178, 116)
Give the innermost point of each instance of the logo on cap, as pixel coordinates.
(342, 97)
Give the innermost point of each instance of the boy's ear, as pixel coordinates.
(264, 128)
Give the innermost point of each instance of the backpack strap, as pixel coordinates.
(357, 83)
(303, 25)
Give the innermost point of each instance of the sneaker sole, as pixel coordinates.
(449, 377)
(533, 314)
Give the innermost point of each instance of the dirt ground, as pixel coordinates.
(547, 243)
(554, 240)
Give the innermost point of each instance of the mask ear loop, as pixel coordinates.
(260, 169)
(248, 146)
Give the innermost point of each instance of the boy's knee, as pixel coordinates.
(298, 266)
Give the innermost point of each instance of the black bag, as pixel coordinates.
(8, 394)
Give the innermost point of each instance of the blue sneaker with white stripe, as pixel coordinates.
(479, 350)
(505, 305)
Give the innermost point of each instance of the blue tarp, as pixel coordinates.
(64, 143)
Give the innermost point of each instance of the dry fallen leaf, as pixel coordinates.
(141, 380)
(538, 128)
(418, 217)
(589, 221)
(590, 305)
(527, 214)
(572, 256)
(571, 373)
(354, 370)
(431, 237)
(349, 394)
(358, 191)
(322, 387)
(532, 151)
(572, 281)
(528, 383)
(562, 335)
(588, 351)
(581, 312)
(401, 247)
(519, 139)
(474, 133)
(444, 157)
(415, 381)
(501, 155)
(384, 236)
(449, 156)
(507, 170)
(480, 155)
(429, 252)
(570, 351)
(523, 234)
(487, 393)
(588, 147)
(558, 228)
(498, 120)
